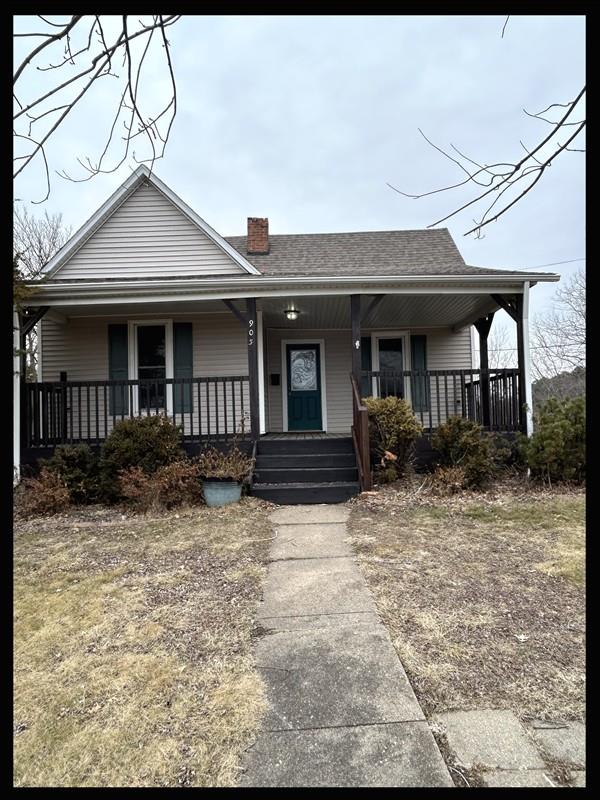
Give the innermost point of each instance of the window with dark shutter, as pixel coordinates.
(118, 370)
(182, 366)
(418, 354)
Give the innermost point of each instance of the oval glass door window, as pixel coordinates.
(303, 368)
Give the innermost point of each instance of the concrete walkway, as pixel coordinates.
(342, 712)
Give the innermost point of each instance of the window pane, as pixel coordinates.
(151, 345)
(151, 366)
(390, 360)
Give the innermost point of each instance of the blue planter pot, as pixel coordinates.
(221, 493)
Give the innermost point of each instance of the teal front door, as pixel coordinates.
(304, 387)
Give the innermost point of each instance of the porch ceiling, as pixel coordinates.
(394, 311)
(329, 311)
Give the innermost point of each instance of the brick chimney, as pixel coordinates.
(258, 236)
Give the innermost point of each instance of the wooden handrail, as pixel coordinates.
(360, 437)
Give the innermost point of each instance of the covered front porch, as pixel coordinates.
(239, 368)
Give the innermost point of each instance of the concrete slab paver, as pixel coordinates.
(493, 739)
(301, 623)
(578, 777)
(314, 586)
(334, 676)
(310, 541)
(564, 742)
(502, 778)
(401, 754)
(310, 514)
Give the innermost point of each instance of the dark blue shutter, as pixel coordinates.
(366, 384)
(118, 369)
(418, 354)
(182, 366)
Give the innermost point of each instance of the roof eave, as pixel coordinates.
(99, 290)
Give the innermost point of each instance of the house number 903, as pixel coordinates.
(250, 332)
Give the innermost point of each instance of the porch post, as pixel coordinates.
(261, 372)
(253, 372)
(356, 354)
(523, 355)
(16, 397)
(483, 326)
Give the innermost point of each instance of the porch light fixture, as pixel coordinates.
(291, 313)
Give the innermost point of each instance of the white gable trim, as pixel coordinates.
(108, 208)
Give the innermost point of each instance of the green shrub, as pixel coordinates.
(45, 494)
(78, 468)
(506, 451)
(147, 442)
(556, 450)
(393, 431)
(173, 485)
(462, 443)
(231, 464)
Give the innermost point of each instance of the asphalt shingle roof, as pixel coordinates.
(419, 252)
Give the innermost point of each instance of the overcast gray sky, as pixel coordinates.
(305, 119)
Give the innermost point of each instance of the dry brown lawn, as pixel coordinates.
(483, 594)
(133, 662)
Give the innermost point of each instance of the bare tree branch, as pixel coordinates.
(50, 39)
(559, 335)
(503, 177)
(57, 102)
(35, 241)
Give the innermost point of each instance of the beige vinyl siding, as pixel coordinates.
(445, 350)
(80, 348)
(148, 236)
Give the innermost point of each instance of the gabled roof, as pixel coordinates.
(141, 174)
(368, 253)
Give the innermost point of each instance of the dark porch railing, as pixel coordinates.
(67, 412)
(439, 394)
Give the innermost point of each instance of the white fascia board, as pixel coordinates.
(117, 198)
(323, 285)
(239, 294)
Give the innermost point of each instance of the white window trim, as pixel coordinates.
(133, 325)
(303, 340)
(404, 335)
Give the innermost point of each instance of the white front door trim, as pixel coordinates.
(303, 340)
(133, 325)
(404, 335)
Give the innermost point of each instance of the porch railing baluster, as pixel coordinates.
(462, 395)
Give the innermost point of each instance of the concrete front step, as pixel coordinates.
(310, 493)
(313, 474)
